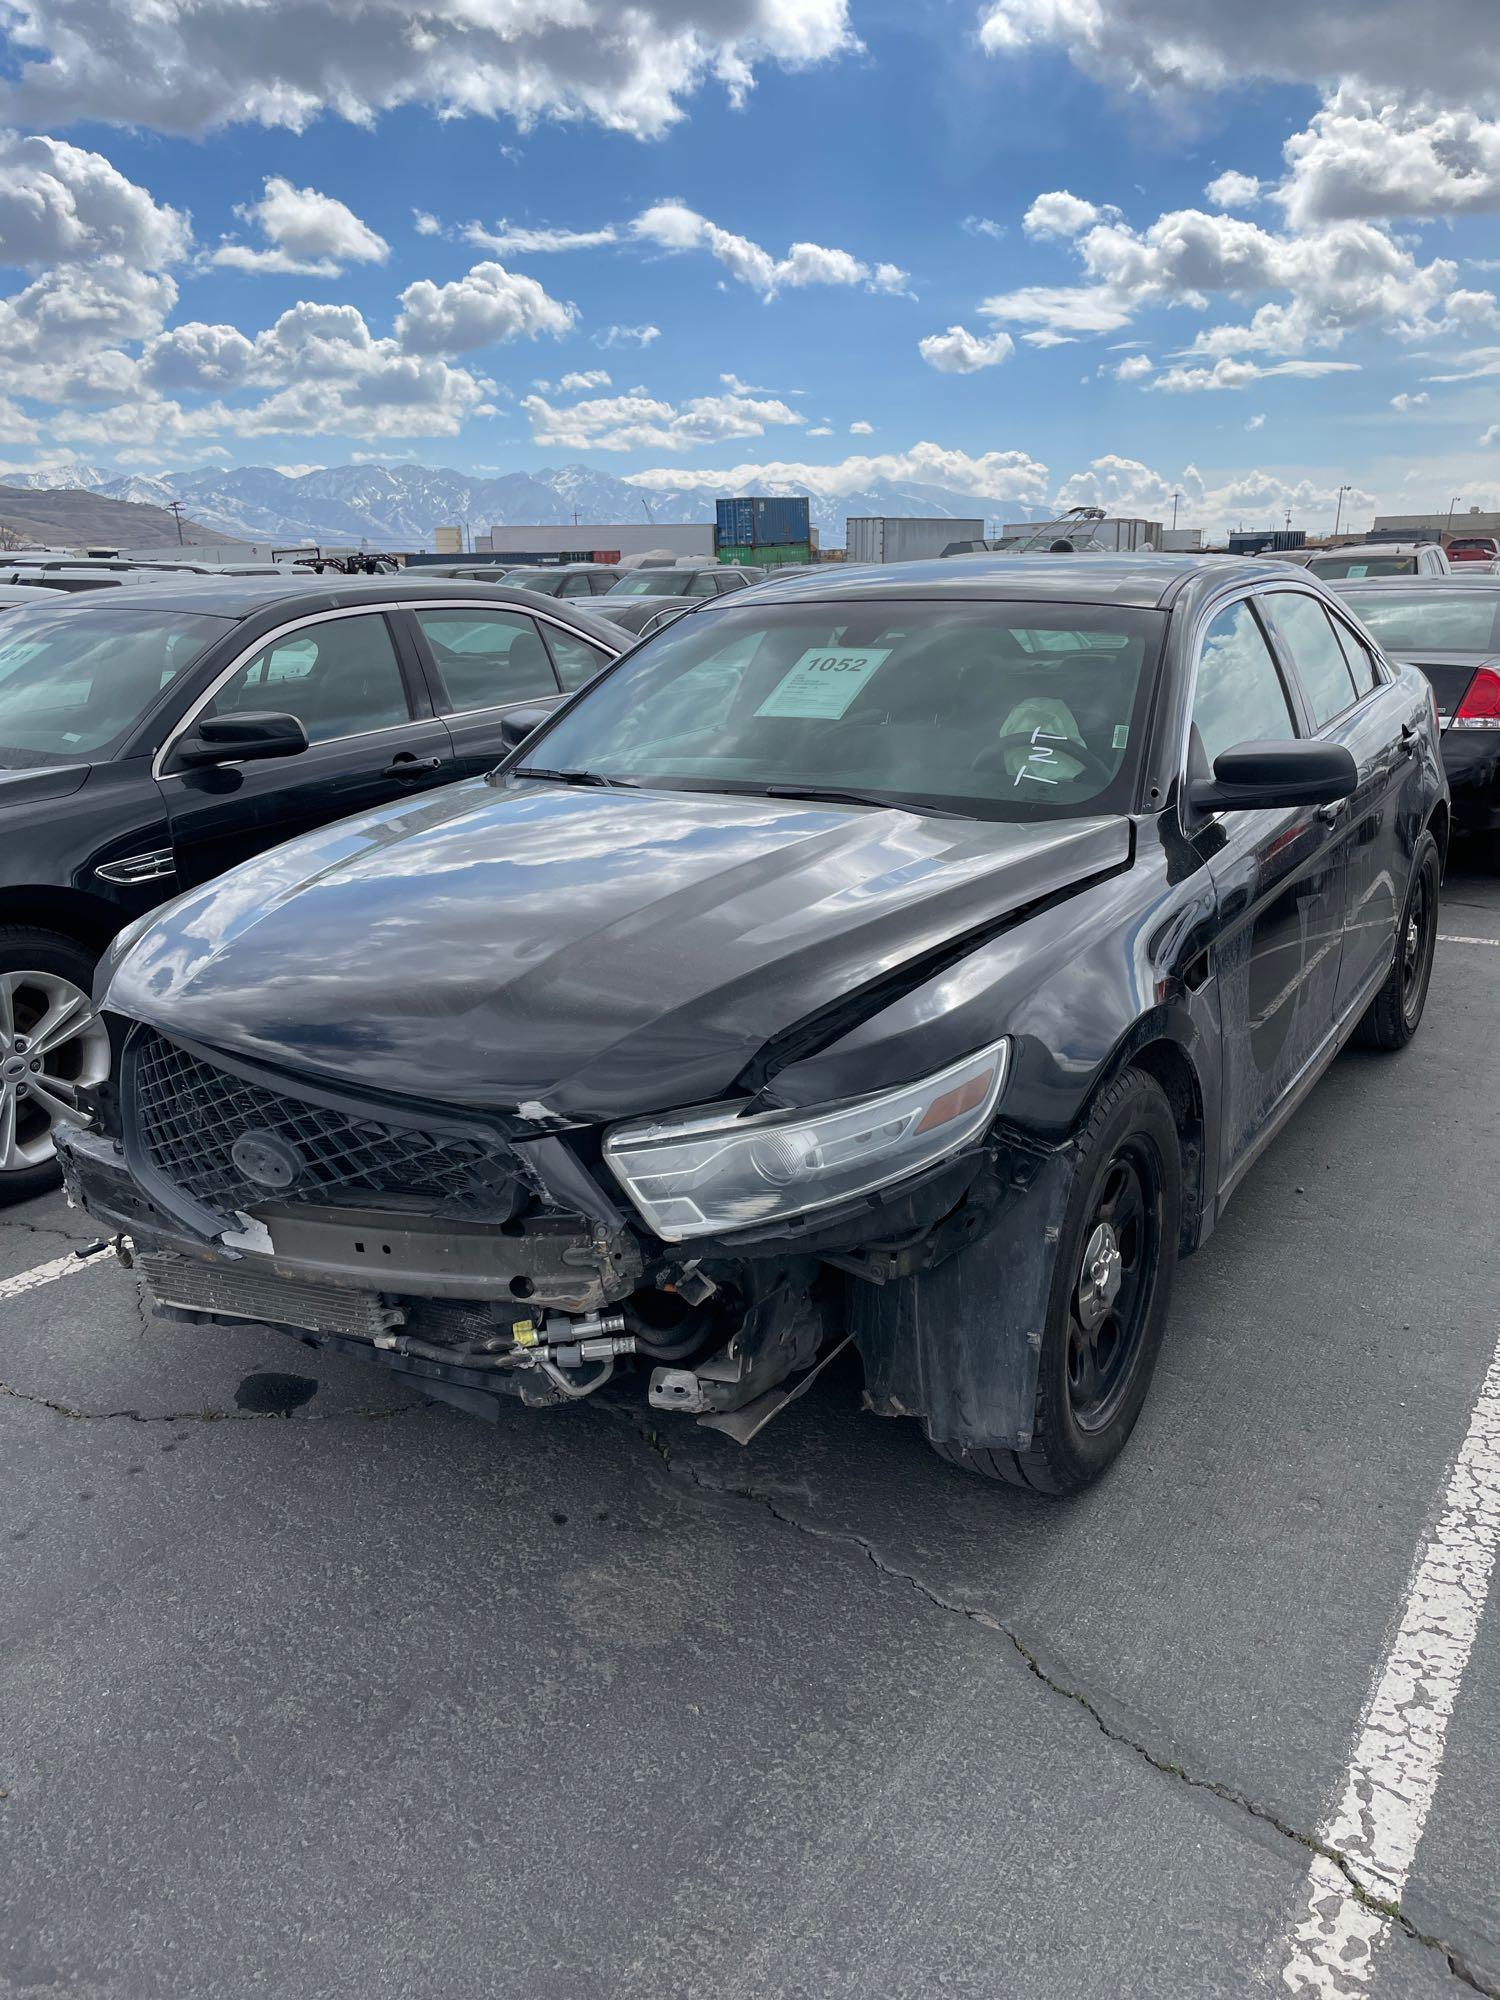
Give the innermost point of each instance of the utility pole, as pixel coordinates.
(1338, 512)
(1175, 498)
(646, 504)
(174, 507)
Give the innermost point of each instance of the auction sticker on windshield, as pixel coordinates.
(823, 682)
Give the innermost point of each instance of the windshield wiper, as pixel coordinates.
(572, 777)
(843, 795)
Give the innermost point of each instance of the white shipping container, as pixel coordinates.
(890, 538)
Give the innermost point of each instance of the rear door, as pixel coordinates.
(372, 737)
(1350, 703)
(482, 660)
(1278, 877)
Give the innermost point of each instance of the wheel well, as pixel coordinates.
(87, 920)
(1438, 825)
(1166, 1062)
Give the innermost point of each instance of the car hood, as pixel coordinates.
(47, 781)
(579, 953)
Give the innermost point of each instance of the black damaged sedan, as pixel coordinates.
(918, 958)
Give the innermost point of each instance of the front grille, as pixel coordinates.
(188, 1114)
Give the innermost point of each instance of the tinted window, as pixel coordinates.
(942, 704)
(487, 657)
(702, 585)
(1446, 619)
(1357, 566)
(1239, 697)
(338, 678)
(576, 660)
(1316, 653)
(653, 583)
(576, 585)
(724, 583)
(74, 679)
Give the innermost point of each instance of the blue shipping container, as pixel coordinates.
(748, 523)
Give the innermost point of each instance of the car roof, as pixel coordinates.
(1443, 586)
(242, 597)
(1373, 549)
(1149, 581)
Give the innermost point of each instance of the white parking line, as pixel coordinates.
(1448, 937)
(1393, 1773)
(43, 1274)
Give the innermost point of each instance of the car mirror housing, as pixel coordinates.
(1292, 773)
(238, 739)
(519, 723)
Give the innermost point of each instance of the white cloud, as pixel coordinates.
(1172, 47)
(513, 239)
(1409, 402)
(859, 428)
(1363, 158)
(189, 66)
(62, 205)
(981, 225)
(198, 358)
(486, 305)
(672, 226)
(638, 422)
(1491, 436)
(306, 233)
(821, 431)
(626, 336)
(1127, 486)
(1232, 190)
(1257, 422)
(1230, 374)
(959, 352)
(579, 380)
(1060, 310)
(1134, 368)
(1012, 477)
(15, 426)
(296, 471)
(425, 224)
(1060, 214)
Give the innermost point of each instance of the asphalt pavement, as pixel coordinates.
(308, 1687)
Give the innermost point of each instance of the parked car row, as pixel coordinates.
(916, 958)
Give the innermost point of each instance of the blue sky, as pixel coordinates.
(1040, 250)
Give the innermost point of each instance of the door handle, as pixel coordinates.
(407, 766)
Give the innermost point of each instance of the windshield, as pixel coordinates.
(1001, 711)
(1353, 566)
(76, 677)
(1451, 618)
(652, 583)
(546, 580)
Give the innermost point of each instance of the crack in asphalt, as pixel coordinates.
(1457, 1965)
(373, 1416)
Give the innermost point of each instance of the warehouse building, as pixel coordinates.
(604, 541)
(1472, 522)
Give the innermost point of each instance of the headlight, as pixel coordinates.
(717, 1170)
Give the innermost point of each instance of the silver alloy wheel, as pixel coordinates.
(51, 1044)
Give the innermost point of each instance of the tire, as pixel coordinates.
(1074, 1439)
(1395, 1014)
(39, 970)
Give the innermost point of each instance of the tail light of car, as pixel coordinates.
(1480, 707)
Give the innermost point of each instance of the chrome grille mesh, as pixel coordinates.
(189, 1113)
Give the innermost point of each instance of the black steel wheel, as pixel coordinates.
(1395, 1014)
(1110, 1292)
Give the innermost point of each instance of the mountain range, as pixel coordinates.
(398, 506)
(34, 508)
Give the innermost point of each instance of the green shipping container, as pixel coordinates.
(768, 556)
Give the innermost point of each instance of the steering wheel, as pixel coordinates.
(1065, 747)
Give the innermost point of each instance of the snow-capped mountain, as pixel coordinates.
(398, 506)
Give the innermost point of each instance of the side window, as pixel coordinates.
(1239, 697)
(600, 580)
(702, 585)
(1362, 662)
(575, 659)
(487, 658)
(576, 586)
(1316, 653)
(338, 678)
(728, 583)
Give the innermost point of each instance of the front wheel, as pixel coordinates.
(1111, 1287)
(52, 1044)
(1395, 1014)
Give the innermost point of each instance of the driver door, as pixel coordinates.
(1278, 877)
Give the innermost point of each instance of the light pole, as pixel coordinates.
(1175, 498)
(1338, 512)
(1451, 505)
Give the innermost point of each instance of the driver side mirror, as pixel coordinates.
(240, 739)
(1254, 776)
(519, 723)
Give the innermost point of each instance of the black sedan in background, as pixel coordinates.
(919, 957)
(1450, 629)
(154, 735)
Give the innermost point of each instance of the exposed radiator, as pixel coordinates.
(239, 1292)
